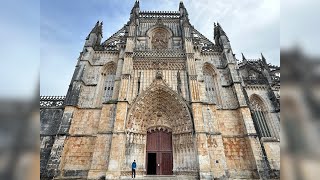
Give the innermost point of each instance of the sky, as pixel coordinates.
(253, 27)
(19, 49)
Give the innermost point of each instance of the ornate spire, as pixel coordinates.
(222, 33)
(135, 6)
(263, 59)
(97, 29)
(181, 5)
(182, 9)
(243, 58)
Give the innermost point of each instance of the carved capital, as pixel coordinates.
(190, 55)
(125, 76)
(193, 77)
(128, 54)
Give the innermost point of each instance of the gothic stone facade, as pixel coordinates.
(159, 92)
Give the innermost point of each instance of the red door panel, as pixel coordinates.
(160, 142)
(166, 163)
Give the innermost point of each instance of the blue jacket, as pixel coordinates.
(134, 165)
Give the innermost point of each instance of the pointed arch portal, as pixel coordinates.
(160, 132)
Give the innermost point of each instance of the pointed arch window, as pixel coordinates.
(210, 82)
(110, 74)
(260, 116)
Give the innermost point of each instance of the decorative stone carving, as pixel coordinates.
(161, 64)
(161, 108)
(51, 101)
(159, 40)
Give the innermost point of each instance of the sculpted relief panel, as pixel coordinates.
(159, 40)
(159, 107)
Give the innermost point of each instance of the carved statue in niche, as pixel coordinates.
(159, 40)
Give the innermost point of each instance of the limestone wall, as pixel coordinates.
(77, 155)
(85, 122)
(50, 123)
(272, 150)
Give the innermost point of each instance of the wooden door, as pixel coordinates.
(159, 144)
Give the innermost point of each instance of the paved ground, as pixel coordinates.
(162, 178)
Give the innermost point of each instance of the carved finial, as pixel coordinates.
(263, 59)
(136, 4)
(159, 74)
(243, 58)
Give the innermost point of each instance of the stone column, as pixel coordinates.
(100, 160)
(117, 79)
(254, 141)
(117, 150)
(201, 138)
(118, 144)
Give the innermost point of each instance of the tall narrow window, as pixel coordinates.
(179, 83)
(210, 84)
(109, 83)
(139, 81)
(260, 116)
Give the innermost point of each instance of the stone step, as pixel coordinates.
(155, 178)
(161, 177)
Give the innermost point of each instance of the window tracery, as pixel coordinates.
(210, 83)
(260, 116)
(109, 82)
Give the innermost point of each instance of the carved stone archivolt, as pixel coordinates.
(157, 108)
(257, 104)
(159, 105)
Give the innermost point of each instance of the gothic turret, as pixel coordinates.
(263, 59)
(183, 11)
(95, 36)
(265, 70)
(135, 11)
(220, 36)
(243, 58)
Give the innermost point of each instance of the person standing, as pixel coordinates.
(134, 166)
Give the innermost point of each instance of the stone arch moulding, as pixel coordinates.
(257, 98)
(107, 77)
(210, 69)
(160, 108)
(166, 33)
(256, 101)
(109, 67)
(158, 102)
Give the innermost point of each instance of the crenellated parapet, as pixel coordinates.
(52, 101)
(159, 14)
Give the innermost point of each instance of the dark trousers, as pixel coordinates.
(133, 173)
